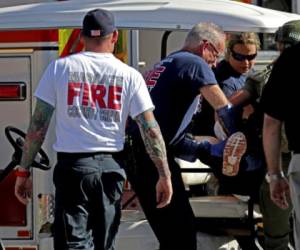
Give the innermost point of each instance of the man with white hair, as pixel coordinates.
(176, 84)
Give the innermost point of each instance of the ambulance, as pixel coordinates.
(32, 35)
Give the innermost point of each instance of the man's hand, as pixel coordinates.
(23, 189)
(164, 191)
(280, 192)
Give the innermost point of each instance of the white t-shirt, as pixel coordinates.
(93, 94)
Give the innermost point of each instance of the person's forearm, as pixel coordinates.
(271, 143)
(36, 132)
(215, 96)
(154, 142)
(240, 97)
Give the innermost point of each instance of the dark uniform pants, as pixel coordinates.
(174, 225)
(87, 201)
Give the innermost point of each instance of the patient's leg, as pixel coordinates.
(208, 150)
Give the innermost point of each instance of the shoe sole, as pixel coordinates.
(234, 149)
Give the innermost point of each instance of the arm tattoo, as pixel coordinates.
(36, 132)
(154, 143)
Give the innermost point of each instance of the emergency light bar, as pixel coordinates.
(14, 91)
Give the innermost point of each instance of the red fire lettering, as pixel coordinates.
(73, 91)
(98, 93)
(86, 93)
(114, 97)
(154, 75)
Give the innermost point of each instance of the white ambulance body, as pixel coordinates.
(29, 40)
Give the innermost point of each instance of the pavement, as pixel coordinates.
(136, 234)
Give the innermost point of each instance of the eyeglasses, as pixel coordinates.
(216, 53)
(240, 57)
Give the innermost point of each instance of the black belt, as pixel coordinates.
(64, 155)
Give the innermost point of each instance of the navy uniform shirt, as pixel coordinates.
(174, 86)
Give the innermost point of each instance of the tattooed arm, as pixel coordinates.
(36, 132)
(34, 139)
(156, 149)
(153, 141)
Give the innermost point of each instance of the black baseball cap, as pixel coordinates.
(98, 23)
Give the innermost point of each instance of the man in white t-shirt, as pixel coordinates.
(92, 93)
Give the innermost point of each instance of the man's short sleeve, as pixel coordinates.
(46, 88)
(201, 74)
(141, 100)
(274, 91)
